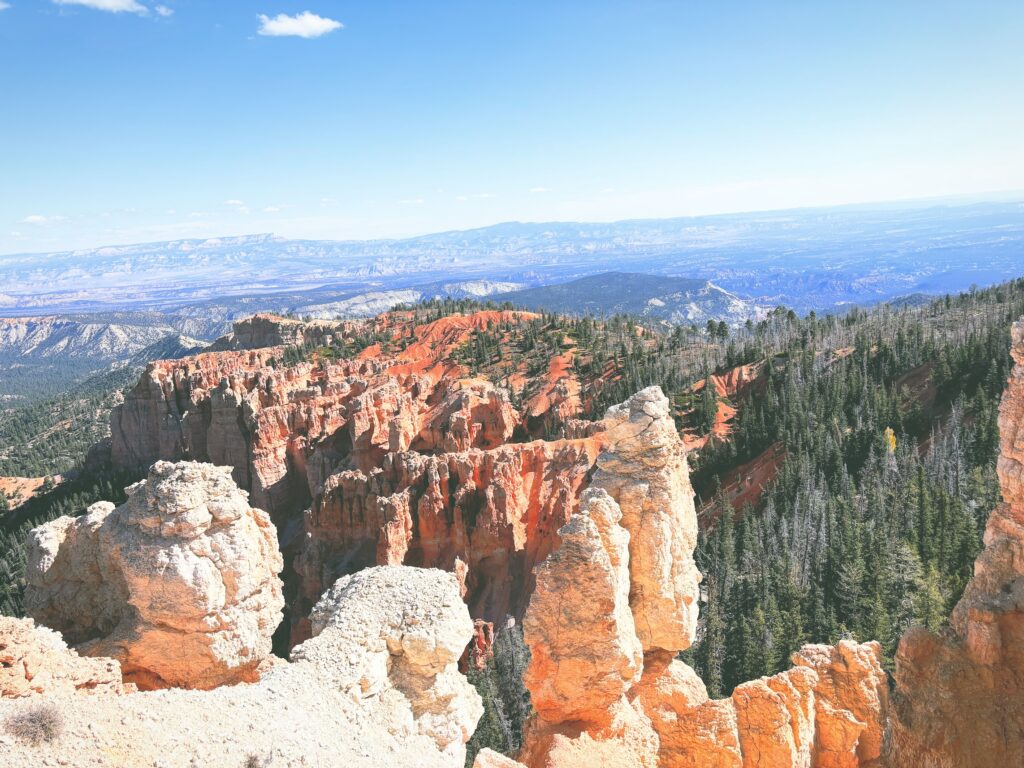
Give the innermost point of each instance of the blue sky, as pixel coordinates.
(128, 122)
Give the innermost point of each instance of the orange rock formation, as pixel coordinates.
(238, 406)
(617, 601)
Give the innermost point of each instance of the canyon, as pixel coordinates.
(410, 505)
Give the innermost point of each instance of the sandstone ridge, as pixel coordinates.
(389, 452)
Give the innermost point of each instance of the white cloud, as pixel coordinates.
(3, 7)
(412, 201)
(238, 205)
(113, 6)
(305, 25)
(163, 10)
(36, 219)
(538, 190)
(272, 209)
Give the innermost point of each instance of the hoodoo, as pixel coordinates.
(599, 704)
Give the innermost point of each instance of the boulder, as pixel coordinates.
(179, 584)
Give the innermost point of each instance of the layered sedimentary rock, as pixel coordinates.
(34, 661)
(284, 428)
(623, 583)
(376, 685)
(851, 701)
(179, 584)
(959, 696)
(265, 330)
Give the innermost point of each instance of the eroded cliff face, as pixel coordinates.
(494, 511)
(376, 685)
(959, 697)
(179, 584)
(285, 428)
(643, 468)
(616, 602)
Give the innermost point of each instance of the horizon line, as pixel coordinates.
(964, 199)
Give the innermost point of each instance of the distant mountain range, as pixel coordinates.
(820, 259)
(669, 299)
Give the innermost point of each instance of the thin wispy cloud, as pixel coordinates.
(3, 7)
(305, 24)
(39, 219)
(112, 6)
(163, 10)
(477, 196)
(412, 201)
(238, 205)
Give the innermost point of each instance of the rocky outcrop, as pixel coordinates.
(34, 661)
(396, 631)
(959, 695)
(179, 584)
(266, 330)
(488, 758)
(377, 453)
(481, 648)
(376, 685)
(851, 702)
(616, 602)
